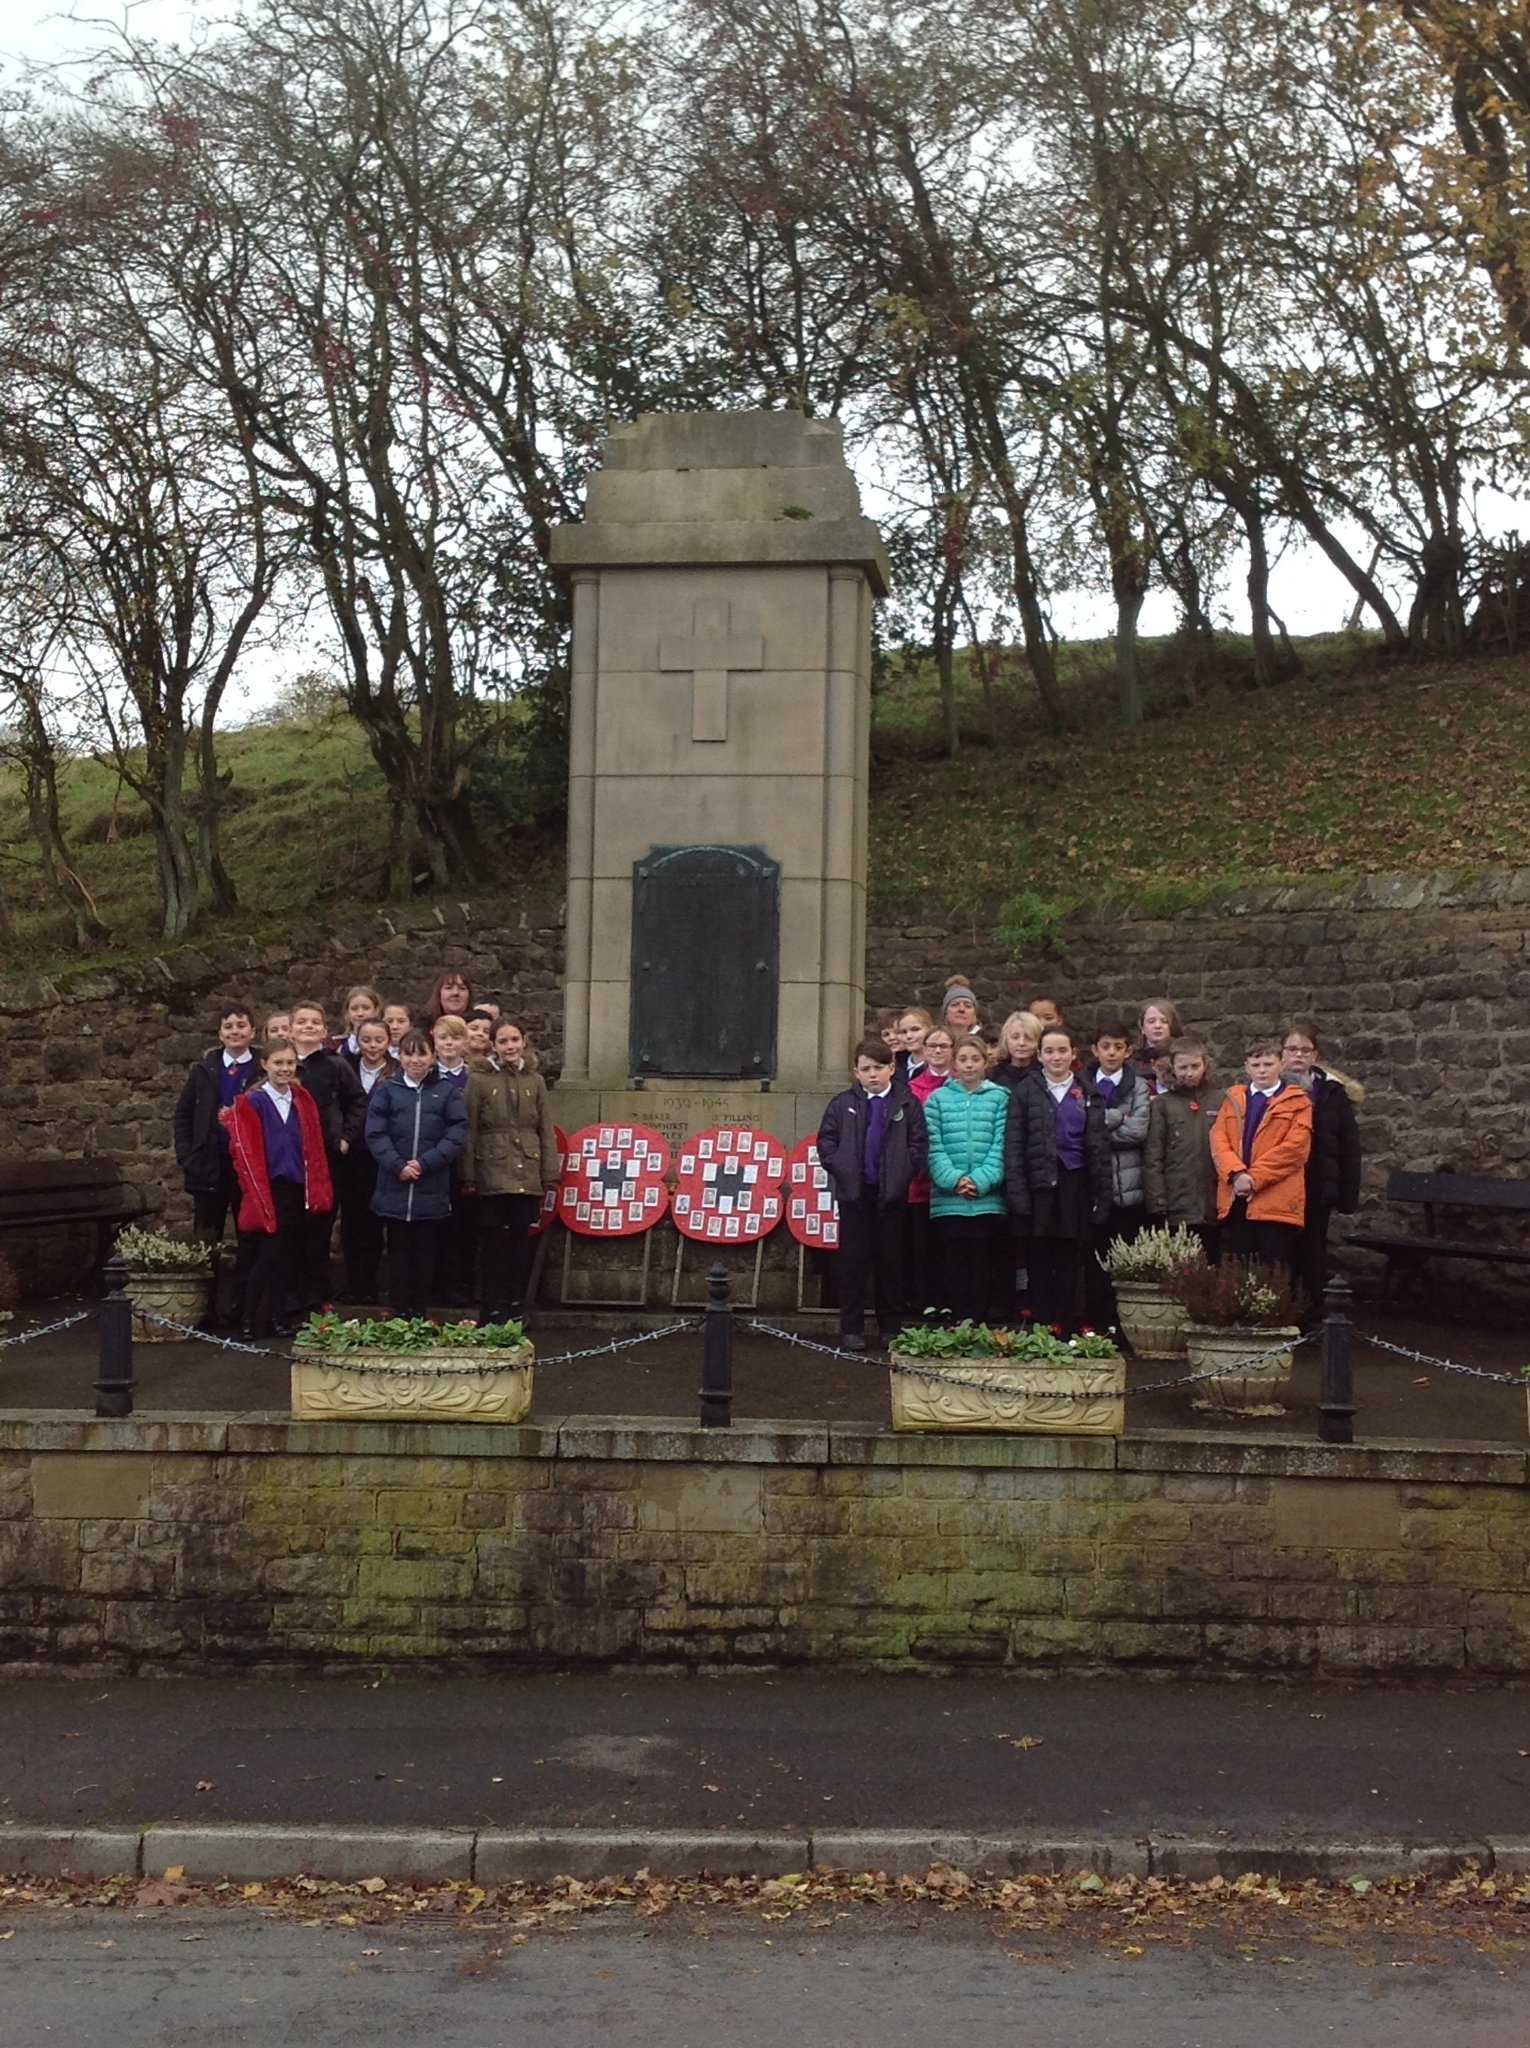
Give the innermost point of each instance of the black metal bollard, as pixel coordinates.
(1336, 1406)
(114, 1383)
(717, 1353)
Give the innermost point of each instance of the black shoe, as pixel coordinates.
(852, 1343)
(286, 1328)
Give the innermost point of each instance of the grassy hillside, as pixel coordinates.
(1364, 768)
(1360, 767)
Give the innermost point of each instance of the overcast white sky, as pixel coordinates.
(1305, 591)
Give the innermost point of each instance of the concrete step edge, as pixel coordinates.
(211, 1851)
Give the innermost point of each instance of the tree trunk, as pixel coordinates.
(1266, 660)
(1128, 663)
(40, 764)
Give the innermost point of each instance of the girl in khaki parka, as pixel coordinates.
(510, 1160)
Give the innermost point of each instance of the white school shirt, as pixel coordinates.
(283, 1102)
(368, 1076)
(1058, 1089)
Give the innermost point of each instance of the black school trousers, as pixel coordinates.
(1272, 1244)
(411, 1265)
(872, 1236)
(274, 1266)
(505, 1247)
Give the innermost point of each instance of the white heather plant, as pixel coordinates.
(1153, 1254)
(156, 1251)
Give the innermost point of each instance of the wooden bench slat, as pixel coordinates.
(1459, 1190)
(1435, 1247)
(17, 1214)
(26, 1176)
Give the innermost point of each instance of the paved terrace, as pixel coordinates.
(1396, 1399)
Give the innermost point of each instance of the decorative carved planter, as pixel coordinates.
(1262, 1391)
(453, 1384)
(1083, 1399)
(1152, 1324)
(181, 1297)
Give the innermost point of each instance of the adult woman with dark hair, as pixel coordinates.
(452, 996)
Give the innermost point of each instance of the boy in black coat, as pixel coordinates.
(1333, 1164)
(871, 1144)
(201, 1143)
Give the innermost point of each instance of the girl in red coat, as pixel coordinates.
(276, 1143)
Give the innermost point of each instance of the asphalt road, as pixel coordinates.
(800, 1750)
(94, 1980)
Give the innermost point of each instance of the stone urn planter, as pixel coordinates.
(387, 1370)
(167, 1276)
(179, 1297)
(1263, 1390)
(1064, 1393)
(1152, 1321)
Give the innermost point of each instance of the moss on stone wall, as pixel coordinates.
(152, 1545)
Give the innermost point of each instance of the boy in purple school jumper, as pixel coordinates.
(871, 1143)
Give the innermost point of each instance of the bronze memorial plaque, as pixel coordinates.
(706, 942)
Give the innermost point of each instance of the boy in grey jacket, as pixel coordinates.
(1128, 1104)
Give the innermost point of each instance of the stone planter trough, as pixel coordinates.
(182, 1297)
(454, 1384)
(1263, 1391)
(1086, 1398)
(1151, 1322)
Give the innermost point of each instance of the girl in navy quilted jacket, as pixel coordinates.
(416, 1129)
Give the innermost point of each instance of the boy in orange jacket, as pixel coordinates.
(1259, 1146)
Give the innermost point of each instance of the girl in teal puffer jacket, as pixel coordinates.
(966, 1120)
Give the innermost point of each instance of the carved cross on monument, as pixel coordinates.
(711, 651)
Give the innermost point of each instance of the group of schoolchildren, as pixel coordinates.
(978, 1175)
(430, 1135)
(981, 1176)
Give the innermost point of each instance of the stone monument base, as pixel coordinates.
(660, 1269)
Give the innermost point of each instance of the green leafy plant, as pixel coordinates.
(1030, 925)
(1027, 1346)
(1240, 1294)
(156, 1251)
(326, 1331)
(1153, 1254)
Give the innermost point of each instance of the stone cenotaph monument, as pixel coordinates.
(723, 580)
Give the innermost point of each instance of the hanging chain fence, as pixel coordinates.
(45, 1330)
(942, 1377)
